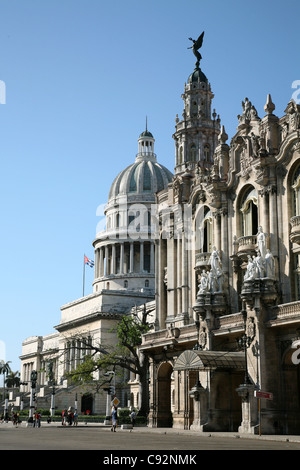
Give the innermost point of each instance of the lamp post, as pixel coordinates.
(21, 400)
(52, 407)
(33, 379)
(244, 343)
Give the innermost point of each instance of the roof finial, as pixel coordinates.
(146, 124)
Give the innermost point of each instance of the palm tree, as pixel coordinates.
(4, 369)
(13, 379)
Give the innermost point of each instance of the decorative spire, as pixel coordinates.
(222, 136)
(269, 106)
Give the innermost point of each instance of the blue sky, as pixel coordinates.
(81, 76)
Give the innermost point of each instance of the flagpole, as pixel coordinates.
(83, 275)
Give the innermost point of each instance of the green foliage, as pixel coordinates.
(130, 330)
(83, 373)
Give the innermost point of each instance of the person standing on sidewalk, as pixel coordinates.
(114, 419)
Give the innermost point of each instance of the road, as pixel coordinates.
(95, 438)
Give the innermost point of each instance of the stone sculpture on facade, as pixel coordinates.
(263, 264)
(212, 281)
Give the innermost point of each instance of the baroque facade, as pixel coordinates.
(227, 272)
(221, 267)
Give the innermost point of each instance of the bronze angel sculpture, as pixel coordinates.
(196, 46)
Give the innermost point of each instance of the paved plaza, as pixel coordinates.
(54, 437)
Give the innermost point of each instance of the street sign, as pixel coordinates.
(115, 402)
(260, 394)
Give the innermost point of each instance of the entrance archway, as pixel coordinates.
(87, 403)
(164, 414)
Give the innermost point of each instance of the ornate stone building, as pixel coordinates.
(223, 260)
(227, 272)
(124, 278)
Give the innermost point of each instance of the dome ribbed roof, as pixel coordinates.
(196, 76)
(142, 178)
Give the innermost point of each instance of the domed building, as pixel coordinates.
(123, 279)
(124, 252)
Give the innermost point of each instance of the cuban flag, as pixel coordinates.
(88, 261)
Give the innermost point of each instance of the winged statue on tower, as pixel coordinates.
(196, 46)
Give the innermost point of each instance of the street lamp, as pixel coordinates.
(33, 378)
(52, 407)
(244, 343)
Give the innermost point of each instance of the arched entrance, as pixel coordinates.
(164, 414)
(87, 403)
(290, 390)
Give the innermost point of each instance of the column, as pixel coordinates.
(224, 240)
(101, 263)
(106, 260)
(113, 259)
(152, 258)
(172, 275)
(273, 221)
(162, 281)
(184, 289)
(122, 258)
(141, 257)
(217, 229)
(179, 276)
(131, 258)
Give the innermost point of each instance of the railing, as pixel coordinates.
(295, 229)
(246, 245)
(202, 259)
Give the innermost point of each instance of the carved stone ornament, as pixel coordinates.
(202, 338)
(250, 328)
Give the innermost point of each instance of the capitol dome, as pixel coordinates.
(143, 178)
(125, 249)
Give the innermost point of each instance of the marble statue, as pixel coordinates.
(270, 265)
(261, 242)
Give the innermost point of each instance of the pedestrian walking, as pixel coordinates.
(114, 419)
(133, 417)
(75, 418)
(64, 417)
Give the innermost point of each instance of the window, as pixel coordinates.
(297, 276)
(180, 155)
(125, 284)
(207, 232)
(249, 213)
(296, 191)
(147, 283)
(207, 152)
(193, 153)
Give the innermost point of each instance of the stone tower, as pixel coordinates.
(196, 135)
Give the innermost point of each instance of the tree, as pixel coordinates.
(13, 379)
(124, 354)
(4, 369)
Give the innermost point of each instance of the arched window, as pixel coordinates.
(180, 155)
(207, 152)
(296, 191)
(194, 108)
(193, 153)
(207, 232)
(249, 213)
(146, 283)
(125, 284)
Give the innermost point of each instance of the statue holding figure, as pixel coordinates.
(215, 261)
(203, 285)
(261, 242)
(196, 46)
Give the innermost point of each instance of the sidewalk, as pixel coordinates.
(147, 430)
